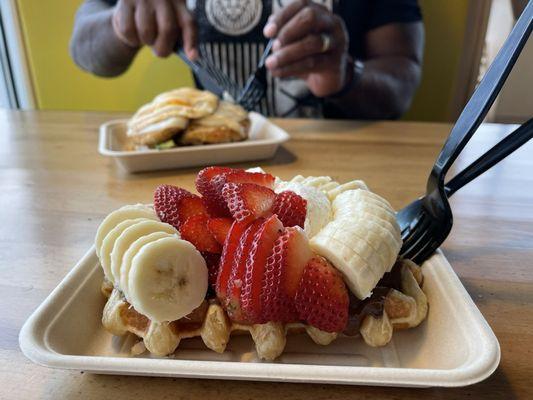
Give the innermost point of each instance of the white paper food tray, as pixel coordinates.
(453, 347)
(264, 140)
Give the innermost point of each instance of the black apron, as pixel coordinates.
(230, 35)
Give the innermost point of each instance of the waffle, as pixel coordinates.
(402, 309)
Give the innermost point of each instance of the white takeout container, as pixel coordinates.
(263, 142)
(453, 347)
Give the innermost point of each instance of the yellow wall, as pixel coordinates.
(445, 23)
(59, 84)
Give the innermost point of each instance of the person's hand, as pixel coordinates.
(311, 43)
(159, 24)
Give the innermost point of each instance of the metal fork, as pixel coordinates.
(426, 222)
(255, 87)
(210, 77)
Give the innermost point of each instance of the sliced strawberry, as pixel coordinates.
(214, 203)
(248, 201)
(167, 200)
(189, 206)
(195, 231)
(210, 182)
(283, 273)
(228, 256)
(219, 227)
(322, 298)
(212, 260)
(205, 175)
(241, 176)
(238, 271)
(256, 259)
(290, 208)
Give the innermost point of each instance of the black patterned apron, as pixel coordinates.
(230, 34)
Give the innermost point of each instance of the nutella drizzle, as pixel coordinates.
(373, 305)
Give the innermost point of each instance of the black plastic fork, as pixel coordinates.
(426, 222)
(420, 245)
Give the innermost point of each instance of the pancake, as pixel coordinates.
(229, 123)
(187, 102)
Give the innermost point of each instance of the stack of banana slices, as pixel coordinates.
(162, 276)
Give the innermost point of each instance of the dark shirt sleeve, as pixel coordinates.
(361, 16)
(382, 12)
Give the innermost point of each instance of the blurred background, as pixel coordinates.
(462, 37)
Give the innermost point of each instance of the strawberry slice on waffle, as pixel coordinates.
(215, 206)
(248, 201)
(283, 273)
(219, 228)
(322, 298)
(229, 251)
(174, 205)
(290, 208)
(210, 182)
(238, 271)
(256, 260)
(195, 231)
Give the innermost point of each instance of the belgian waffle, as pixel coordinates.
(402, 309)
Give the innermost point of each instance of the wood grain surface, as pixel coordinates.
(56, 188)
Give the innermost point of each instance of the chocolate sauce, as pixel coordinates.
(192, 321)
(373, 305)
(392, 279)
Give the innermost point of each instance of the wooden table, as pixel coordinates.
(56, 188)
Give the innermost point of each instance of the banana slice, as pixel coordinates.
(378, 239)
(371, 209)
(352, 185)
(383, 240)
(356, 195)
(318, 207)
(316, 181)
(355, 238)
(131, 234)
(122, 214)
(358, 275)
(359, 241)
(297, 179)
(329, 186)
(365, 222)
(132, 252)
(109, 242)
(361, 205)
(360, 214)
(167, 279)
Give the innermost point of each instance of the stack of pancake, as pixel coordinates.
(187, 116)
